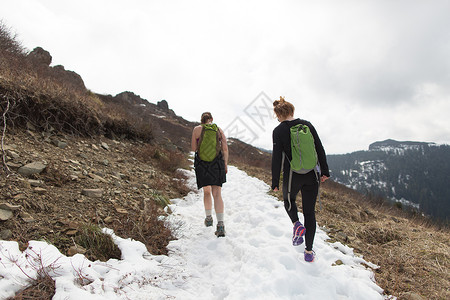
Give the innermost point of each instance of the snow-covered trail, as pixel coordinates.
(255, 260)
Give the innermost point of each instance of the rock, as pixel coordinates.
(40, 56)
(59, 144)
(105, 146)
(13, 166)
(32, 168)
(73, 177)
(109, 220)
(5, 214)
(72, 232)
(122, 176)
(69, 77)
(77, 249)
(105, 162)
(163, 104)
(84, 156)
(410, 296)
(26, 217)
(11, 207)
(9, 147)
(94, 193)
(338, 263)
(342, 236)
(40, 190)
(35, 183)
(94, 147)
(20, 197)
(97, 178)
(5, 234)
(12, 154)
(121, 210)
(75, 162)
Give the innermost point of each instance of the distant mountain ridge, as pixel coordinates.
(397, 145)
(412, 173)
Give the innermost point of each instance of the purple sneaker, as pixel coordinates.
(309, 256)
(299, 232)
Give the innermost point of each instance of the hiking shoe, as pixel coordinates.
(220, 232)
(309, 256)
(208, 221)
(299, 232)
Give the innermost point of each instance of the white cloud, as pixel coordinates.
(361, 67)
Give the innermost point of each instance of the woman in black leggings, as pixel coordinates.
(307, 184)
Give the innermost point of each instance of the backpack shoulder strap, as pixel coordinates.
(218, 141)
(201, 138)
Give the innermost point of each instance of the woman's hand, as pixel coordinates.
(324, 178)
(276, 189)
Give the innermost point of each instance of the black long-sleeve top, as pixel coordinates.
(281, 137)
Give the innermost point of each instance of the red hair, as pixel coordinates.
(283, 109)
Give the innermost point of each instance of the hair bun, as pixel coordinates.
(278, 102)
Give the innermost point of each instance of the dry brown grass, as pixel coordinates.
(42, 289)
(169, 160)
(146, 227)
(36, 94)
(99, 245)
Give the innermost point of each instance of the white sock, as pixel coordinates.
(219, 217)
(208, 212)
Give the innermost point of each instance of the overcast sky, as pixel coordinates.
(360, 71)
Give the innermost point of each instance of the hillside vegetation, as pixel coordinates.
(74, 162)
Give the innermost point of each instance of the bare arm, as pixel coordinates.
(224, 148)
(195, 136)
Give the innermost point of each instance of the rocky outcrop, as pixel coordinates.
(163, 105)
(68, 77)
(40, 56)
(130, 98)
(42, 59)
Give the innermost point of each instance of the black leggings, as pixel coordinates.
(308, 185)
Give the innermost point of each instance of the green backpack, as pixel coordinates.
(304, 156)
(209, 144)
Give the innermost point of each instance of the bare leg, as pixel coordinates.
(218, 202)
(219, 208)
(207, 200)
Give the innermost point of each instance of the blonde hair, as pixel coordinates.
(283, 109)
(206, 116)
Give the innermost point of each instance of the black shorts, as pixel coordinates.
(210, 173)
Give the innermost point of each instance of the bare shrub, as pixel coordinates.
(9, 43)
(147, 227)
(42, 288)
(174, 160)
(178, 181)
(169, 160)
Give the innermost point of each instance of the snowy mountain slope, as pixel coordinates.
(254, 261)
(412, 173)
